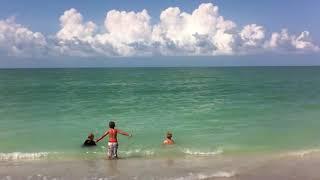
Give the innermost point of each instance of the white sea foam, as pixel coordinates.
(138, 152)
(130, 153)
(22, 156)
(303, 153)
(152, 152)
(219, 174)
(202, 153)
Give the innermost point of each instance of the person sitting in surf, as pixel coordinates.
(168, 140)
(113, 141)
(89, 141)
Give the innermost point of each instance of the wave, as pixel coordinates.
(23, 156)
(201, 153)
(220, 174)
(303, 153)
(128, 153)
(137, 152)
(153, 152)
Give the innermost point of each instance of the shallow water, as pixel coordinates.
(49, 112)
(244, 167)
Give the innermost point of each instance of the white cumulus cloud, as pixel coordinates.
(128, 27)
(126, 33)
(73, 28)
(252, 35)
(284, 42)
(203, 31)
(17, 40)
(75, 36)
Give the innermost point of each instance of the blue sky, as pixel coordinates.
(269, 16)
(295, 15)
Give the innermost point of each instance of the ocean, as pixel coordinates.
(213, 111)
(227, 122)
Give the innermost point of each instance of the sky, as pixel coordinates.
(72, 33)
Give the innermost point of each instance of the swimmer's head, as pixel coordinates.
(112, 124)
(169, 135)
(91, 136)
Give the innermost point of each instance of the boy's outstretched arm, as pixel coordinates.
(124, 133)
(104, 135)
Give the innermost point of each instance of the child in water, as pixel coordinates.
(89, 141)
(113, 141)
(168, 140)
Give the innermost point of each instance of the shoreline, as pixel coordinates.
(173, 153)
(236, 167)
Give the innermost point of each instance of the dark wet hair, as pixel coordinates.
(169, 135)
(112, 124)
(91, 135)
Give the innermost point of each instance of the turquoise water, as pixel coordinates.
(209, 110)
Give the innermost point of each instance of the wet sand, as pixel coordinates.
(245, 167)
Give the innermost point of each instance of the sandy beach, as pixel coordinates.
(300, 165)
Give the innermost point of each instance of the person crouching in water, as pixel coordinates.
(113, 141)
(89, 141)
(168, 140)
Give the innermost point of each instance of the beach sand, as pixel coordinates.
(300, 166)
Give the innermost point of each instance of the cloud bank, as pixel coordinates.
(16, 40)
(204, 32)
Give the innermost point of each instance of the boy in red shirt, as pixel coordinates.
(113, 141)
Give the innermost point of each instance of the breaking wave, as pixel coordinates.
(126, 154)
(303, 153)
(202, 153)
(23, 156)
(220, 174)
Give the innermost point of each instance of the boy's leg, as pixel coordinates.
(116, 150)
(109, 150)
